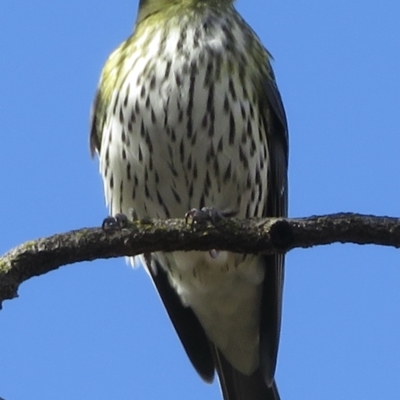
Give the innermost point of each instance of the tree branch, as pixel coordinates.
(270, 235)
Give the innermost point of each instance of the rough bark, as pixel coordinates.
(270, 235)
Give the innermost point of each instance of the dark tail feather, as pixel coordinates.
(237, 386)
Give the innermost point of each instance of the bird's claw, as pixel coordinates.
(206, 214)
(118, 221)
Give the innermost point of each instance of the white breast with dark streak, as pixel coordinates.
(178, 138)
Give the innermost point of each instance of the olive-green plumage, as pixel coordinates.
(188, 115)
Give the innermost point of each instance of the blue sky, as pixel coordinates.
(98, 330)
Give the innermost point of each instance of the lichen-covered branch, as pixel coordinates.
(271, 235)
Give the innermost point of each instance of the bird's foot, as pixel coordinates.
(118, 221)
(206, 214)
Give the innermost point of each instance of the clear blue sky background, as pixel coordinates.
(98, 330)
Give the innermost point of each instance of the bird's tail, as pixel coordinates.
(237, 386)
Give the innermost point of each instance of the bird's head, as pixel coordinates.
(150, 7)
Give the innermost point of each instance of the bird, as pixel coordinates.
(187, 115)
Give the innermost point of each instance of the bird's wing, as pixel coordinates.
(186, 324)
(111, 78)
(271, 306)
(96, 123)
